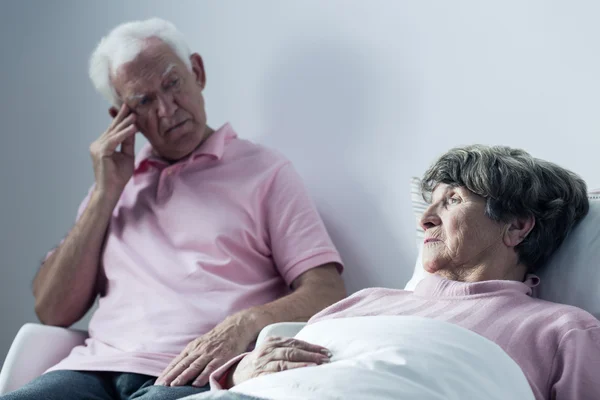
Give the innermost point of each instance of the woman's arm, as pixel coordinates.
(576, 368)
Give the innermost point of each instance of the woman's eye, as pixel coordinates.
(453, 200)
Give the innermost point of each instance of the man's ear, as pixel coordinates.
(517, 231)
(113, 112)
(198, 70)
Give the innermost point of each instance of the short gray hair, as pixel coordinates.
(516, 185)
(124, 43)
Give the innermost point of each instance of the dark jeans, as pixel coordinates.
(79, 385)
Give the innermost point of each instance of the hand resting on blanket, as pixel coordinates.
(275, 355)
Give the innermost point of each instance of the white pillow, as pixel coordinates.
(419, 205)
(572, 276)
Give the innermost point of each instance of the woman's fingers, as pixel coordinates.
(292, 354)
(278, 366)
(299, 344)
(279, 354)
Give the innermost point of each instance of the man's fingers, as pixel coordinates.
(191, 372)
(211, 367)
(177, 370)
(298, 355)
(113, 142)
(130, 119)
(123, 111)
(161, 379)
(128, 146)
(114, 130)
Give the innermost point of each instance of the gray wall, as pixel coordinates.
(50, 114)
(361, 95)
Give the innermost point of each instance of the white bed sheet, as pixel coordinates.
(385, 357)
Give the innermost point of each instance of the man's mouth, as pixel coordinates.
(176, 126)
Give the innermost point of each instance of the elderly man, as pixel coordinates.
(193, 246)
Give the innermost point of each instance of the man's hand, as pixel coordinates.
(276, 355)
(206, 354)
(113, 168)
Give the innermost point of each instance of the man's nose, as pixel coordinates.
(166, 106)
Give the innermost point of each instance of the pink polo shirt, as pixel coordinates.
(229, 227)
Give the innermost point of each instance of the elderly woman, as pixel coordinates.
(495, 216)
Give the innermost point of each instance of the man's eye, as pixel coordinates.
(144, 101)
(173, 83)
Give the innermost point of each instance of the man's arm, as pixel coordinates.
(314, 290)
(66, 284)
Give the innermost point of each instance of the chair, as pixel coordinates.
(38, 347)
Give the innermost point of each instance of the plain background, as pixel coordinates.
(360, 95)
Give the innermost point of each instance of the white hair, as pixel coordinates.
(124, 43)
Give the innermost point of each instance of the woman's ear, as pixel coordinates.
(517, 231)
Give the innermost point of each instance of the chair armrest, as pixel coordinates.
(35, 349)
(283, 329)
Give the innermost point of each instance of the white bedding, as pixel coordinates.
(397, 358)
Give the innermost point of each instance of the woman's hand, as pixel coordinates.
(275, 355)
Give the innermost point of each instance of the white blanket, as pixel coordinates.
(397, 358)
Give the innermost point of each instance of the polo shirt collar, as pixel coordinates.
(214, 147)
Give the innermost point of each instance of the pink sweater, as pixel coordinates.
(556, 346)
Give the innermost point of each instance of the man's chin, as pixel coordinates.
(174, 155)
(180, 147)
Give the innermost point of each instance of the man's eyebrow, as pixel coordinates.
(135, 96)
(168, 69)
(166, 72)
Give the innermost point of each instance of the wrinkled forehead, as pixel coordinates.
(146, 71)
(441, 190)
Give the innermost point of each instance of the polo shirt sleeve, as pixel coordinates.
(298, 237)
(80, 211)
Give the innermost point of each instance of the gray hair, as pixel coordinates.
(124, 43)
(516, 185)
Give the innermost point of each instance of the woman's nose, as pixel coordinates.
(429, 219)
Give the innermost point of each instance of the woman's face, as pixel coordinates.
(459, 237)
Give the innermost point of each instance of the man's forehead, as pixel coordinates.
(152, 61)
(140, 74)
(144, 66)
